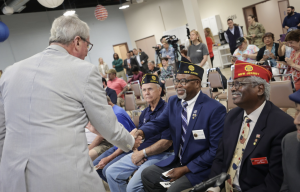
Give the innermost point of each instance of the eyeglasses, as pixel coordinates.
(183, 82)
(90, 45)
(237, 84)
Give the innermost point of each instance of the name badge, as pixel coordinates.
(259, 161)
(199, 50)
(198, 134)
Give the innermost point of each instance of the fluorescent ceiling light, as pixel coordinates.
(124, 7)
(68, 13)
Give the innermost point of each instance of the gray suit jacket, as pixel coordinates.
(45, 103)
(291, 163)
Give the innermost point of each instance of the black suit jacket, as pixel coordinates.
(144, 57)
(112, 95)
(133, 62)
(261, 52)
(272, 125)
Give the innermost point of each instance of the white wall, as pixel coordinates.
(29, 34)
(296, 4)
(144, 20)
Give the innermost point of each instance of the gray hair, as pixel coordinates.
(66, 28)
(258, 81)
(151, 62)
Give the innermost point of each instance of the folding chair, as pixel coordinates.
(136, 118)
(215, 80)
(230, 104)
(207, 90)
(169, 82)
(170, 92)
(135, 86)
(130, 103)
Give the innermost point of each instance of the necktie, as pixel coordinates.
(184, 126)
(238, 154)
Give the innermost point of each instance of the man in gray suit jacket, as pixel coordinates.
(291, 153)
(45, 103)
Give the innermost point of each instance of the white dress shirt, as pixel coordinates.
(254, 117)
(232, 31)
(138, 59)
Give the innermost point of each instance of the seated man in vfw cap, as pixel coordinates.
(291, 153)
(250, 148)
(196, 125)
(150, 152)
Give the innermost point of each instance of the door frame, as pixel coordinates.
(122, 44)
(144, 38)
(279, 10)
(246, 17)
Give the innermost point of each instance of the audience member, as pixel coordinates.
(269, 51)
(249, 150)
(118, 65)
(168, 52)
(292, 20)
(103, 68)
(96, 143)
(140, 50)
(132, 54)
(137, 75)
(210, 42)
(291, 153)
(293, 63)
(117, 84)
(255, 32)
(183, 53)
(244, 52)
(232, 34)
(46, 100)
(196, 125)
(158, 54)
(114, 153)
(142, 59)
(198, 53)
(152, 69)
(152, 151)
(129, 62)
(109, 92)
(166, 72)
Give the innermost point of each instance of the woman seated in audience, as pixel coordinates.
(166, 72)
(269, 51)
(103, 68)
(284, 49)
(244, 51)
(137, 75)
(293, 63)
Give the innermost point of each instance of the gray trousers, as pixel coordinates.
(151, 178)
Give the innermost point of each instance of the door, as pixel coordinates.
(122, 50)
(205, 23)
(283, 11)
(249, 11)
(213, 25)
(146, 45)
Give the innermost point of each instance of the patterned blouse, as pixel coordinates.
(296, 73)
(166, 73)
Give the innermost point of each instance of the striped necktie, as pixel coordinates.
(184, 126)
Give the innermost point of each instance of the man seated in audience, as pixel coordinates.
(292, 20)
(150, 152)
(196, 125)
(250, 148)
(96, 143)
(137, 75)
(152, 69)
(291, 153)
(117, 84)
(109, 92)
(129, 62)
(113, 154)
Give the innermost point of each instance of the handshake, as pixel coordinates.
(138, 136)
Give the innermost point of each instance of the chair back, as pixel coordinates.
(169, 82)
(207, 90)
(214, 78)
(130, 101)
(170, 88)
(232, 72)
(279, 94)
(135, 86)
(136, 118)
(230, 104)
(169, 94)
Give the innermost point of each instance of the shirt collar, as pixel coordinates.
(255, 114)
(158, 106)
(58, 48)
(105, 88)
(192, 101)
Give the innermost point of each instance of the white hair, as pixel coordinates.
(66, 28)
(259, 81)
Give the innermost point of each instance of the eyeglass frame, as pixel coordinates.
(240, 83)
(185, 80)
(89, 43)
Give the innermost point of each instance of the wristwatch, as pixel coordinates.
(144, 151)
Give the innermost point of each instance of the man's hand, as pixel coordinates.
(298, 25)
(286, 27)
(137, 137)
(114, 66)
(178, 172)
(120, 94)
(103, 163)
(139, 133)
(142, 62)
(92, 129)
(137, 156)
(163, 81)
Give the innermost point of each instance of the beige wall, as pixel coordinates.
(296, 4)
(144, 20)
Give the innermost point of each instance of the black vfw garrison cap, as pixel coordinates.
(149, 78)
(186, 67)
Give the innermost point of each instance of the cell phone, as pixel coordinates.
(267, 52)
(166, 179)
